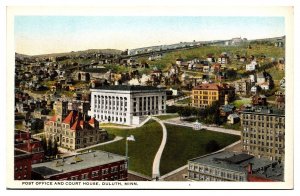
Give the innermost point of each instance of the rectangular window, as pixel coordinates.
(84, 176)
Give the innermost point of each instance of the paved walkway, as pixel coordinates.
(117, 138)
(177, 121)
(156, 162)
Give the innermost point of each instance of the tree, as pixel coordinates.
(44, 144)
(55, 148)
(231, 74)
(49, 147)
(212, 146)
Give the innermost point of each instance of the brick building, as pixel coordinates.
(24, 142)
(204, 95)
(263, 132)
(22, 165)
(93, 165)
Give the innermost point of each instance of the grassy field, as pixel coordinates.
(165, 117)
(257, 49)
(113, 124)
(185, 101)
(142, 151)
(184, 143)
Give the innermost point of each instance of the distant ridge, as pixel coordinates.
(73, 53)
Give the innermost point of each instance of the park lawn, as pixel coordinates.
(185, 101)
(112, 124)
(168, 116)
(142, 151)
(184, 143)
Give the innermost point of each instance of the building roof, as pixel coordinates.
(234, 115)
(213, 86)
(227, 108)
(129, 88)
(238, 162)
(264, 110)
(75, 163)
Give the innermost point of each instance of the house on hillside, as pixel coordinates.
(233, 118)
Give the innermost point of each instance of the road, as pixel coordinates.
(171, 102)
(177, 121)
(156, 161)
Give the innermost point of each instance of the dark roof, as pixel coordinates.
(236, 159)
(45, 171)
(264, 110)
(128, 88)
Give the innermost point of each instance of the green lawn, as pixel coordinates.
(241, 102)
(185, 101)
(112, 124)
(142, 151)
(184, 143)
(165, 117)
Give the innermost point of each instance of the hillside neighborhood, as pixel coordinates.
(190, 111)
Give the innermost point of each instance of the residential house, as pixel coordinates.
(242, 87)
(233, 118)
(260, 100)
(251, 66)
(280, 100)
(223, 59)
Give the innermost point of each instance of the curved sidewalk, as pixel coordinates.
(156, 161)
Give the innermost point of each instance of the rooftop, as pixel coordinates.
(213, 86)
(239, 162)
(76, 162)
(129, 88)
(263, 110)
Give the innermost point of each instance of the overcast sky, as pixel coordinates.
(51, 34)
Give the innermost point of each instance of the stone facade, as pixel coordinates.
(74, 131)
(122, 104)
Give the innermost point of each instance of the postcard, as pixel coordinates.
(150, 97)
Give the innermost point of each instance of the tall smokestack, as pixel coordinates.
(250, 171)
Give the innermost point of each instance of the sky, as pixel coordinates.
(51, 34)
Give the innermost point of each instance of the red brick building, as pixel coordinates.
(23, 141)
(22, 165)
(95, 165)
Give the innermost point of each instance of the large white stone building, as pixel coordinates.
(124, 104)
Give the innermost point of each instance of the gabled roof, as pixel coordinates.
(213, 86)
(71, 117)
(53, 119)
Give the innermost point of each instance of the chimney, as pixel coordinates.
(28, 140)
(249, 168)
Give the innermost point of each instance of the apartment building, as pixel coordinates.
(263, 132)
